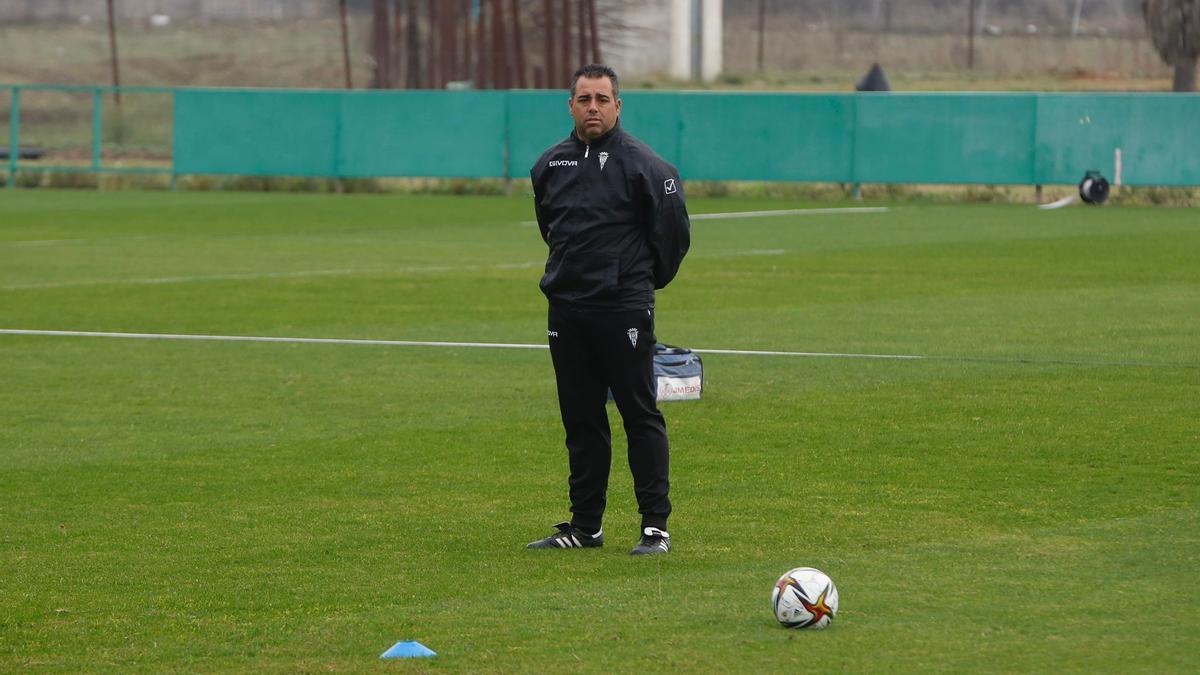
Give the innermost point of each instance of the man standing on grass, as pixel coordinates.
(613, 214)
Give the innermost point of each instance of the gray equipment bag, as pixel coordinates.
(679, 372)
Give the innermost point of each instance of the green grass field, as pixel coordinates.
(1023, 499)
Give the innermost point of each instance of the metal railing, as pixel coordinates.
(52, 159)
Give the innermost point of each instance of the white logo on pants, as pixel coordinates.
(632, 333)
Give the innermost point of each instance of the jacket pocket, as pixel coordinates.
(578, 275)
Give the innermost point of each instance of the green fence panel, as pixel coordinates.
(945, 138)
(655, 118)
(422, 133)
(259, 133)
(774, 137)
(1158, 136)
(863, 138)
(536, 121)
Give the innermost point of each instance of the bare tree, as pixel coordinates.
(381, 44)
(500, 70)
(518, 45)
(551, 56)
(565, 34)
(1174, 27)
(415, 75)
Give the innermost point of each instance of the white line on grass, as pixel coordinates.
(789, 212)
(250, 276)
(768, 214)
(410, 343)
(503, 345)
(151, 281)
(43, 242)
(751, 252)
(828, 355)
(303, 274)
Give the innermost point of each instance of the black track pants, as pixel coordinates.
(592, 353)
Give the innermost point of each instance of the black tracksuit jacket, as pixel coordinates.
(613, 213)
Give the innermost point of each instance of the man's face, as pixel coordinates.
(594, 107)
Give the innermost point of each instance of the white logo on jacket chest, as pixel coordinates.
(563, 162)
(633, 336)
(603, 160)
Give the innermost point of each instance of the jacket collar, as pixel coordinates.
(603, 140)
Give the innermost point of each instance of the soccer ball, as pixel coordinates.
(804, 598)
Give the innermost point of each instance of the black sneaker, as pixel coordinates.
(653, 541)
(569, 536)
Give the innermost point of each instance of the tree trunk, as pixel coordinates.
(500, 69)
(551, 57)
(1185, 75)
(518, 46)
(381, 44)
(413, 44)
(433, 71)
(565, 40)
(581, 19)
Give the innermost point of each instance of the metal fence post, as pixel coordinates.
(97, 126)
(854, 101)
(14, 136)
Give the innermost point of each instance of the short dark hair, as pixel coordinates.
(594, 71)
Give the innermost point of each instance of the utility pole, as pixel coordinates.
(971, 36)
(345, 44)
(762, 33)
(112, 47)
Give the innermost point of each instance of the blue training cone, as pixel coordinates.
(407, 650)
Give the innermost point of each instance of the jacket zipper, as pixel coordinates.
(587, 148)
